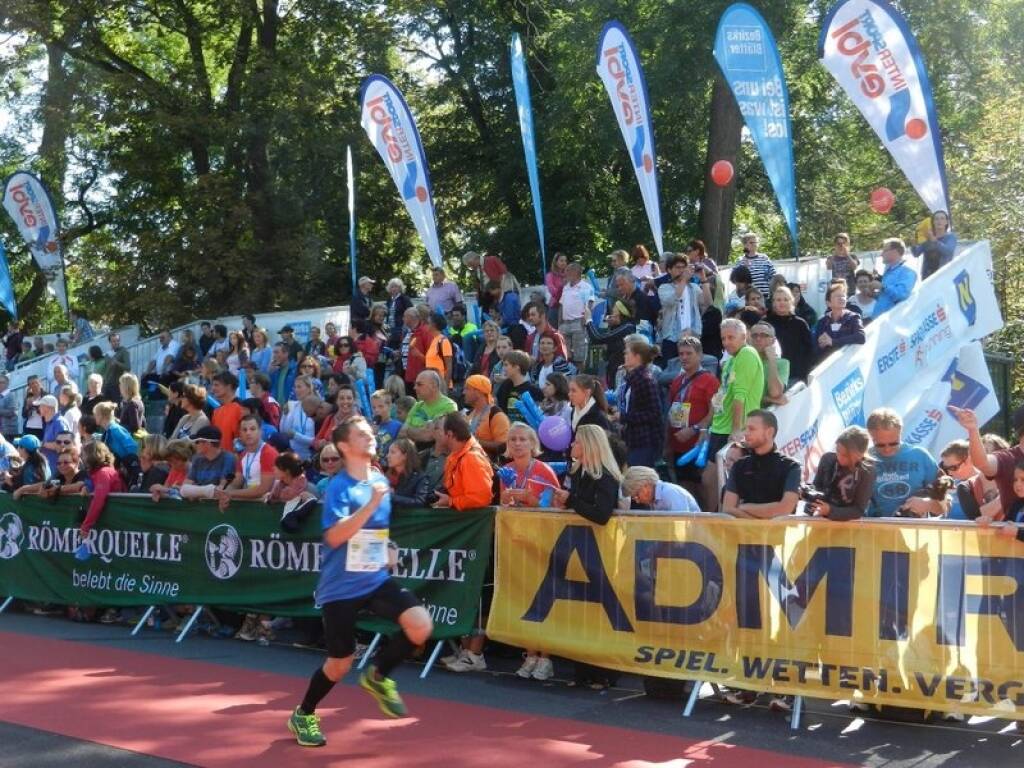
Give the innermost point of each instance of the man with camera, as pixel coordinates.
(844, 481)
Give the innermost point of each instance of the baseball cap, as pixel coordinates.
(49, 400)
(479, 383)
(207, 435)
(287, 329)
(365, 279)
(29, 442)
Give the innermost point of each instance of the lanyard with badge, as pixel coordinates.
(679, 411)
(247, 466)
(367, 550)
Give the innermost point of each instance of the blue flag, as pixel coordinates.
(522, 88)
(7, 286)
(749, 59)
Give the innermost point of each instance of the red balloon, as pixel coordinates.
(722, 172)
(882, 200)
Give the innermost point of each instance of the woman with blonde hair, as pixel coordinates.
(525, 478)
(131, 412)
(594, 477)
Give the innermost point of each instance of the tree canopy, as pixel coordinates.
(196, 149)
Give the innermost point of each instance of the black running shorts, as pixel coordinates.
(388, 601)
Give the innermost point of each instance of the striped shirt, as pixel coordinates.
(761, 271)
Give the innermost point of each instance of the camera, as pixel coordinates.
(810, 494)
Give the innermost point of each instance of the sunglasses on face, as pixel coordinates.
(62, 442)
(950, 468)
(887, 445)
(306, 367)
(329, 459)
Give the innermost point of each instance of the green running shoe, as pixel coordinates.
(384, 692)
(306, 729)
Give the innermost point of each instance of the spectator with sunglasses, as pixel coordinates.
(903, 473)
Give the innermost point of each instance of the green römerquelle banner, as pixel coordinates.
(177, 552)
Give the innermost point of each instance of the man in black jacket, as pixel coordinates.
(764, 483)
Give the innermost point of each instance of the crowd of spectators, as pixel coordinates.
(637, 371)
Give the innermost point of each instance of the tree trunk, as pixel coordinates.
(717, 203)
(259, 175)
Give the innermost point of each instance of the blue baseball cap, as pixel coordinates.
(29, 442)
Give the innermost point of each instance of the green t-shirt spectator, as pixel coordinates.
(743, 379)
(423, 413)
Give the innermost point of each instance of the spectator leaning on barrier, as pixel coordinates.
(468, 474)
(99, 463)
(973, 497)
(898, 280)
(764, 483)
(999, 465)
(904, 475)
(53, 424)
(592, 485)
(648, 491)
(845, 478)
(211, 468)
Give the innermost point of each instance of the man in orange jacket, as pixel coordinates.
(468, 474)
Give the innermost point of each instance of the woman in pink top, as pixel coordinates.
(554, 281)
(99, 463)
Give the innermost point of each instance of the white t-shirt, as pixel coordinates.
(162, 353)
(296, 420)
(251, 466)
(574, 299)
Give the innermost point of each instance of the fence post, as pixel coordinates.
(139, 625)
(369, 650)
(189, 623)
(433, 657)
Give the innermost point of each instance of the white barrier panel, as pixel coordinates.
(907, 352)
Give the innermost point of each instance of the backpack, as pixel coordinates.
(460, 368)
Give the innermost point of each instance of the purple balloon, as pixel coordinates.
(555, 433)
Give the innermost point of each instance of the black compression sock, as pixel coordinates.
(398, 648)
(319, 686)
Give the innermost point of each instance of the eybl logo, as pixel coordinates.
(877, 72)
(848, 396)
(618, 65)
(965, 298)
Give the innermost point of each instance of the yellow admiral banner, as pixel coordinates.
(927, 615)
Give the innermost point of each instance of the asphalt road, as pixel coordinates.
(828, 731)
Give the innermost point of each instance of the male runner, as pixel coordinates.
(354, 576)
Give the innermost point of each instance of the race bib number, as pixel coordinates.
(367, 551)
(679, 415)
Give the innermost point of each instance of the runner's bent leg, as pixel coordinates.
(416, 628)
